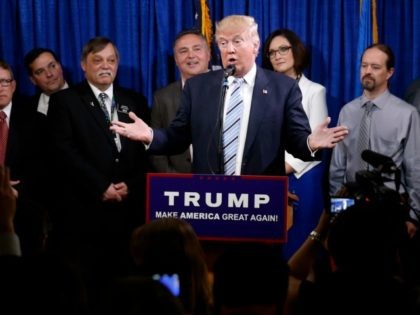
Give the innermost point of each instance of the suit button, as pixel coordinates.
(117, 160)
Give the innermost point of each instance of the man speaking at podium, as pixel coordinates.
(262, 114)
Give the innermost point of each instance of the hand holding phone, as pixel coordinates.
(340, 204)
(170, 281)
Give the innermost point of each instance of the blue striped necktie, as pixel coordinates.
(231, 126)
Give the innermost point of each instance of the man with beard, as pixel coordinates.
(385, 124)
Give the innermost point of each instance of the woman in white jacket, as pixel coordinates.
(285, 53)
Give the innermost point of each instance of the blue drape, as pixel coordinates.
(144, 31)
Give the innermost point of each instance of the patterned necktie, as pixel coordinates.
(4, 132)
(102, 101)
(364, 133)
(231, 127)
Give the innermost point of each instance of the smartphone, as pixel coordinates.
(340, 204)
(170, 281)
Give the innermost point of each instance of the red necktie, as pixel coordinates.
(4, 131)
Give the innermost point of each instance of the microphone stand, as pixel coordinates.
(220, 124)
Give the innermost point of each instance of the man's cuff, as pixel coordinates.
(313, 152)
(147, 146)
(10, 245)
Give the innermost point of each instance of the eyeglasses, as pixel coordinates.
(5, 82)
(282, 50)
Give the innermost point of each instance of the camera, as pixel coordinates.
(374, 187)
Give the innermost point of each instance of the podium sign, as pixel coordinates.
(218, 207)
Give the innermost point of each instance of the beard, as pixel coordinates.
(368, 83)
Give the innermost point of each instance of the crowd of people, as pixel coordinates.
(73, 162)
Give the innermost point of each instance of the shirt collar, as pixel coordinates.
(7, 109)
(249, 78)
(379, 101)
(109, 91)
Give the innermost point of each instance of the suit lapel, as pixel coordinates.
(123, 107)
(260, 96)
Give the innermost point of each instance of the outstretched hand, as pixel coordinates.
(323, 137)
(137, 130)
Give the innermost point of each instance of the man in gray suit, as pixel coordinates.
(192, 56)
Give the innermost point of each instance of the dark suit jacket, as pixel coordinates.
(412, 94)
(24, 157)
(20, 144)
(166, 102)
(277, 122)
(86, 159)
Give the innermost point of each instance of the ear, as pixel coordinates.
(390, 73)
(13, 86)
(256, 45)
(83, 65)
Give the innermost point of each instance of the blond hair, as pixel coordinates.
(239, 23)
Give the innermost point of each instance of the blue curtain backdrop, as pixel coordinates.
(144, 31)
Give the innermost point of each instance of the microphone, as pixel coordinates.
(382, 162)
(229, 70)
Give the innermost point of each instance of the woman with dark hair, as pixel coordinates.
(285, 53)
(169, 246)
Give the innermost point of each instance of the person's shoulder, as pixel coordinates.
(209, 76)
(304, 82)
(274, 77)
(123, 94)
(71, 90)
(169, 89)
(351, 106)
(398, 101)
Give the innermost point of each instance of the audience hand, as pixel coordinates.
(14, 183)
(411, 229)
(7, 202)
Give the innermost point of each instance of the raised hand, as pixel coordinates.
(138, 130)
(323, 137)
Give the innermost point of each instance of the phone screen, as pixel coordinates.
(340, 204)
(170, 281)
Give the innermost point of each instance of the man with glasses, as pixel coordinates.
(19, 146)
(272, 119)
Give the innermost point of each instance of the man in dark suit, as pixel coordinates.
(273, 118)
(100, 176)
(192, 57)
(19, 153)
(46, 73)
